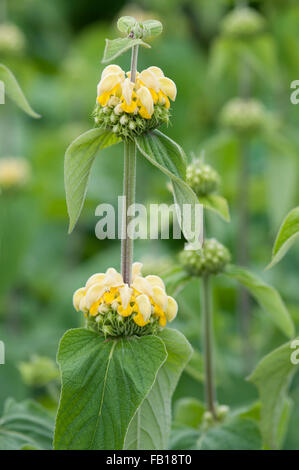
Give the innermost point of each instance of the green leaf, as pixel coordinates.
(189, 412)
(267, 297)
(116, 47)
(272, 377)
(217, 204)
(103, 384)
(195, 367)
(175, 280)
(235, 434)
(183, 437)
(287, 234)
(13, 90)
(150, 428)
(25, 424)
(78, 161)
(169, 157)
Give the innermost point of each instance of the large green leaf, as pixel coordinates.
(116, 47)
(13, 90)
(189, 412)
(286, 236)
(78, 161)
(25, 424)
(169, 157)
(217, 204)
(272, 377)
(103, 384)
(150, 428)
(267, 297)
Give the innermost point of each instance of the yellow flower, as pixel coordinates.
(150, 87)
(144, 299)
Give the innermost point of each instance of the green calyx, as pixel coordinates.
(111, 324)
(128, 125)
(211, 259)
(202, 178)
(244, 116)
(243, 23)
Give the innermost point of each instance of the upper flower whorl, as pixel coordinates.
(129, 108)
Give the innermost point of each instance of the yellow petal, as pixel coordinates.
(156, 71)
(108, 83)
(127, 90)
(93, 294)
(143, 113)
(97, 278)
(125, 293)
(172, 309)
(113, 278)
(142, 286)
(146, 99)
(160, 298)
(77, 297)
(112, 69)
(144, 306)
(168, 87)
(82, 305)
(149, 79)
(136, 270)
(155, 281)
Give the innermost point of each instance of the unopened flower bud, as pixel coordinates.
(202, 178)
(212, 258)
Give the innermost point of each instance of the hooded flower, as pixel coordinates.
(151, 87)
(144, 300)
(14, 172)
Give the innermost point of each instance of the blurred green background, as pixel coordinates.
(58, 64)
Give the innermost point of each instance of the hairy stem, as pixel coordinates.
(129, 184)
(207, 336)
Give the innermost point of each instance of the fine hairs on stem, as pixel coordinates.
(129, 188)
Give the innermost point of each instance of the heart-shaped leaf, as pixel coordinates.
(103, 384)
(78, 161)
(13, 90)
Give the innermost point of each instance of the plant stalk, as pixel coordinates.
(129, 189)
(207, 336)
(129, 186)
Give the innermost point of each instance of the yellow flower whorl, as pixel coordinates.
(114, 308)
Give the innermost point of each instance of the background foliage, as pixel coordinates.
(41, 265)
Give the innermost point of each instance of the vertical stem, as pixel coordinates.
(129, 188)
(207, 334)
(129, 185)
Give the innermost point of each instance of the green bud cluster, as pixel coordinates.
(202, 178)
(244, 116)
(211, 259)
(222, 412)
(243, 22)
(111, 324)
(129, 125)
(39, 371)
